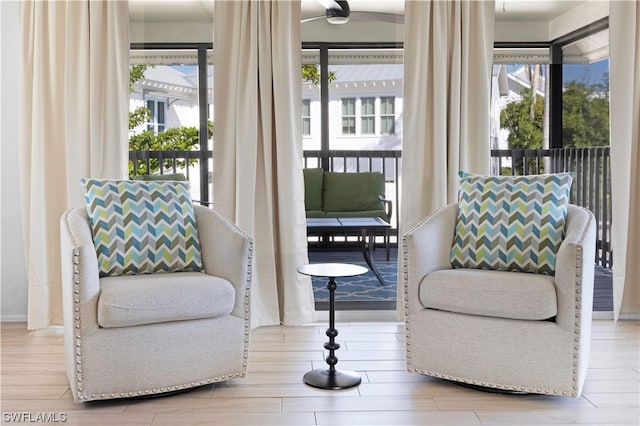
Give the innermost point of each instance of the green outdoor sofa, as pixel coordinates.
(336, 194)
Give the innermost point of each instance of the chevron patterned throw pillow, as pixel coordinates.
(511, 223)
(142, 227)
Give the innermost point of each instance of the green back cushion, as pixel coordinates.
(353, 191)
(512, 223)
(313, 188)
(167, 176)
(142, 227)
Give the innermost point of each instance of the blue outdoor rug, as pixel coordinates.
(361, 288)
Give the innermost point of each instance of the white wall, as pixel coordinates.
(13, 296)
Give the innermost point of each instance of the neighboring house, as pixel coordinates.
(365, 104)
(171, 97)
(365, 108)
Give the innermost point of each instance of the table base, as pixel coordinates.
(324, 378)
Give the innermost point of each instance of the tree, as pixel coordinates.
(524, 132)
(311, 73)
(585, 114)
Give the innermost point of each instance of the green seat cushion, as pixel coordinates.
(510, 223)
(365, 213)
(345, 192)
(315, 213)
(142, 227)
(313, 181)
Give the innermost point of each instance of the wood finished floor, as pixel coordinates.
(33, 380)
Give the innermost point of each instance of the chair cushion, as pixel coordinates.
(510, 223)
(353, 191)
(148, 299)
(313, 179)
(500, 294)
(365, 213)
(166, 176)
(142, 227)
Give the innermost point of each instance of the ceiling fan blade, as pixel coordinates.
(313, 18)
(329, 4)
(377, 16)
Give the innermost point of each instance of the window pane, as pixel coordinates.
(368, 125)
(348, 106)
(368, 106)
(518, 113)
(161, 111)
(349, 126)
(387, 105)
(585, 104)
(387, 125)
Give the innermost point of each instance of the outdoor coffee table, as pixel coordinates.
(332, 378)
(368, 227)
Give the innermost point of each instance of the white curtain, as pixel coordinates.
(257, 152)
(73, 123)
(624, 48)
(448, 54)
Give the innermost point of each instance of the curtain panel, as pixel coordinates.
(447, 87)
(624, 48)
(73, 123)
(448, 54)
(257, 152)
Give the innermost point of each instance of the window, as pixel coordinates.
(306, 117)
(349, 116)
(157, 113)
(387, 115)
(367, 116)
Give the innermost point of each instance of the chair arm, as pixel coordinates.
(226, 252)
(79, 267)
(388, 206)
(426, 248)
(575, 269)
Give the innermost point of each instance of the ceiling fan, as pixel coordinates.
(338, 12)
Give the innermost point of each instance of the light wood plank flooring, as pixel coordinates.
(34, 381)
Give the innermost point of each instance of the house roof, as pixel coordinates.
(169, 75)
(367, 72)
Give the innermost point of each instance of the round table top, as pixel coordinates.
(332, 270)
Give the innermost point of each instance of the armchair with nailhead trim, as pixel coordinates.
(502, 330)
(136, 335)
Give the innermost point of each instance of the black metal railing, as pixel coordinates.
(591, 168)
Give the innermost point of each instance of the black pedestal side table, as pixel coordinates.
(332, 378)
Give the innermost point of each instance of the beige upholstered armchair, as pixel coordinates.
(134, 335)
(513, 331)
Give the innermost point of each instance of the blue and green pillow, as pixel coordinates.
(142, 227)
(511, 223)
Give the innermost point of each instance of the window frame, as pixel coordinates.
(385, 115)
(351, 117)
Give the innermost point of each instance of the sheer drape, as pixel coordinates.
(73, 123)
(448, 54)
(624, 47)
(257, 153)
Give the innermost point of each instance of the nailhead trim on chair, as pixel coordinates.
(77, 327)
(576, 331)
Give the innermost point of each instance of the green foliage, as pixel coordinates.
(175, 138)
(136, 73)
(138, 116)
(585, 115)
(311, 73)
(523, 133)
